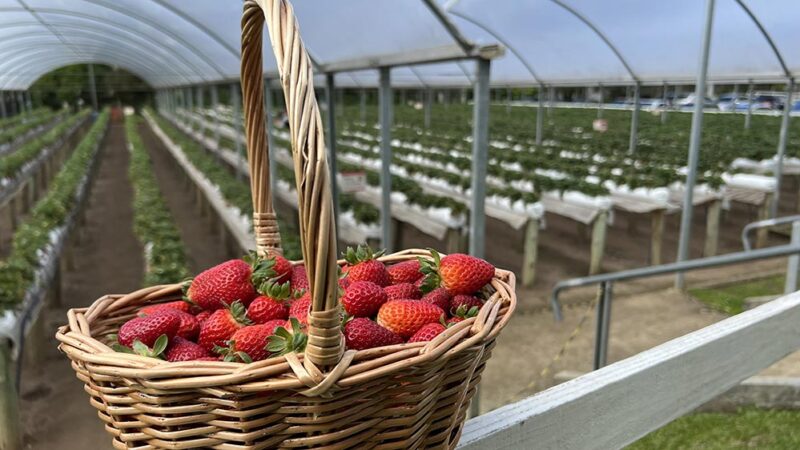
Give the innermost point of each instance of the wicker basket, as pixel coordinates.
(403, 396)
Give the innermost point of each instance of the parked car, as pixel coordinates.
(729, 102)
(688, 102)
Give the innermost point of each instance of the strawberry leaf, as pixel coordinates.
(160, 345)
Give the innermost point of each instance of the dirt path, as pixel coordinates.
(108, 259)
(203, 247)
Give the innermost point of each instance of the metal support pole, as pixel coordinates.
(92, 87)
(386, 103)
(600, 103)
(28, 102)
(480, 150)
(540, 117)
(428, 98)
(200, 106)
(20, 103)
(270, 118)
(215, 109)
(3, 112)
(236, 105)
(794, 262)
(749, 107)
(11, 104)
(787, 113)
(187, 93)
(362, 97)
(694, 144)
(508, 100)
(634, 137)
(603, 325)
(552, 100)
(664, 104)
(330, 96)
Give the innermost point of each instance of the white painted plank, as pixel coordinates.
(620, 403)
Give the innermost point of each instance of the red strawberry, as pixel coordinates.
(148, 329)
(222, 285)
(427, 332)
(181, 349)
(283, 268)
(247, 344)
(300, 309)
(363, 299)
(344, 283)
(406, 317)
(362, 333)
(458, 273)
(221, 325)
(274, 324)
(404, 272)
(402, 290)
(189, 326)
(364, 266)
(180, 305)
(270, 306)
(202, 316)
(465, 302)
(299, 278)
(439, 297)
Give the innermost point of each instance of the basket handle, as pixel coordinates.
(315, 206)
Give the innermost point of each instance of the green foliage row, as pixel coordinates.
(235, 191)
(20, 128)
(17, 272)
(11, 163)
(152, 221)
(19, 118)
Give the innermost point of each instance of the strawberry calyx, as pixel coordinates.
(461, 313)
(430, 271)
(276, 291)
(139, 348)
(238, 312)
(360, 254)
(229, 354)
(284, 341)
(263, 270)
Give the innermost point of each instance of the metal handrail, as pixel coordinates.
(606, 281)
(764, 224)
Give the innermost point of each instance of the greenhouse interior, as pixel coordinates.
(383, 224)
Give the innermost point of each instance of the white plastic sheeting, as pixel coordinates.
(555, 42)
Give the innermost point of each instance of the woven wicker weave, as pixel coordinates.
(403, 396)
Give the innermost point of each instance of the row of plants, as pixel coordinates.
(19, 118)
(236, 191)
(11, 133)
(153, 223)
(30, 242)
(11, 164)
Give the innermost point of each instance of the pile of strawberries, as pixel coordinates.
(250, 309)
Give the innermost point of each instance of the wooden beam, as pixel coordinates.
(531, 251)
(713, 212)
(656, 236)
(599, 230)
(763, 214)
(618, 404)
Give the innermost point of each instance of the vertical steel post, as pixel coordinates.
(386, 103)
(787, 113)
(187, 93)
(540, 117)
(270, 118)
(330, 96)
(427, 99)
(664, 104)
(362, 100)
(236, 105)
(603, 325)
(694, 144)
(508, 100)
(749, 107)
(634, 137)
(552, 100)
(199, 108)
(215, 109)
(28, 102)
(480, 150)
(20, 103)
(600, 103)
(794, 262)
(11, 103)
(3, 112)
(92, 87)
(480, 156)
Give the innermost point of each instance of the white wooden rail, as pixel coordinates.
(614, 406)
